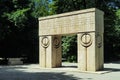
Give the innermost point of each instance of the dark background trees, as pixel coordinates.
(19, 30)
(111, 23)
(19, 26)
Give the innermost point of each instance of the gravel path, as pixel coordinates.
(33, 72)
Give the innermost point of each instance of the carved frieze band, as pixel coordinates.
(86, 40)
(45, 42)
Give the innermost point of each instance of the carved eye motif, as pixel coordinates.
(99, 40)
(86, 40)
(56, 42)
(45, 42)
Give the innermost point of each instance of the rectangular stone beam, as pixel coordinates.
(69, 23)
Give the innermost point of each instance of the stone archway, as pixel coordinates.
(89, 27)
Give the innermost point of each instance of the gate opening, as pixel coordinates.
(87, 24)
(69, 51)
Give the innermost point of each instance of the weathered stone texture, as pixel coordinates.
(89, 27)
(67, 23)
(50, 53)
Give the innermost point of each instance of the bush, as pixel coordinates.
(69, 48)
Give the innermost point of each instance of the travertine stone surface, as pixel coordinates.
(50, 51)
(87, 24)
(86, 52)
(67, 23)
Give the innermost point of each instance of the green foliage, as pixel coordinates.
(69, 45)
(72, 5)
(52, 7)
(13, 15)
(111, 30)
(42, 8)
(69, 48)
(19, 26)
(111, 40)
(116, 43)
(18, 30)
(117, 26)
(18, 17)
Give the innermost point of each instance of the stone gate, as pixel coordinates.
(87, 24)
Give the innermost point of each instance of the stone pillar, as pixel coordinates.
(86, 51)
(90, 43)
(99, 41)
(90, 51)
(50, 51)
(99, 51)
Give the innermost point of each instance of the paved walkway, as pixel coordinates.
(33, 72)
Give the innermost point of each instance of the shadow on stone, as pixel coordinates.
(24, 73)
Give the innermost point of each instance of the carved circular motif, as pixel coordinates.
(45, 42)
(86, 39)
(56, 42)
(99, 40)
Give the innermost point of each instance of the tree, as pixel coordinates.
(18, 36)
(19, 27)
(42, 8)
(69, 48)
(72, 5)
(109, 19)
